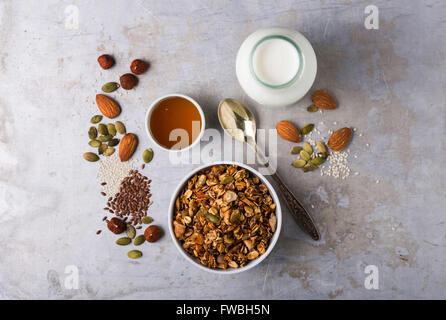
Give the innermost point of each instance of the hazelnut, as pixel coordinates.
(153, 233)
(106, 61)
(138, 66)
(128, 81)
(116, 225)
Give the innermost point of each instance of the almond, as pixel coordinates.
(107, 106)
(286, 130)
(127, 146)
(339, 139)
(323, 100)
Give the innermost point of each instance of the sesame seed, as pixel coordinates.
(112, 171)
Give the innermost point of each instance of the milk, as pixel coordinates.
(275, 61)
(276, 66)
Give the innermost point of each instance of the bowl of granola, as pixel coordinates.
(225, 217)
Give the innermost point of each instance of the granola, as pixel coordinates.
(224, 217)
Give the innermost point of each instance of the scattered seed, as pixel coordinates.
(312, 108)
(134, 254)
(110, 87)
(299, 163)
(102, 129)
(120, 127)
(147, 220)
(92, 133)
(123, 241)
(90, 156)
(111, 129)
(113, 142)
(130, 231)
(103, 183)
(109, 151)
(103, 193)
(304, 155)
(147, 155)
(307, 128)
(96, 119)
(94, 143)
(139, 240)
(296, 150)
(321, 148)
(98, 232)
(308, 148)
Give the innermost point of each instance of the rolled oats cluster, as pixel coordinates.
(224, 217)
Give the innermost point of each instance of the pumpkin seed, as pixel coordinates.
(111, 129)
(134, 254)
(308, 148)
(317, 161)
(109, 151)
(90, 156)
(304, 155)
(130, 231)
(113, 142)
(296, 150)
(307, 128)
(299, 163)
(139, 240)
(321, 148)
(123, 241)
(235, 216)
(147, 220)
(312, 108)
(202, 179)
(94, 143)
(212, 218)
(147, 155)
(102, 148)
(110, 87)
(102, 129)
(105, 138)
(96, 119)
(322, 154)
(227, 180)
(120, 127)
(92, 133)
(308, 167)
(201, 211)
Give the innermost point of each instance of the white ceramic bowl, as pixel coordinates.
(252, 263)
(167, 96)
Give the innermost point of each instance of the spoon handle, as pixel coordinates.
(303, 218)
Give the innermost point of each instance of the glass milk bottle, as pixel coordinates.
(276, 66)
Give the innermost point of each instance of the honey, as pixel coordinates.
(175, 113)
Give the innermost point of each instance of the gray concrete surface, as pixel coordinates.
(390, 85)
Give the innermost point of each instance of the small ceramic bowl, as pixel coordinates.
(252, 263)
(167, 96)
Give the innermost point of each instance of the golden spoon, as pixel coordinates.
(239, 122)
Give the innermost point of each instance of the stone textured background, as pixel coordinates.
(390, 84)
